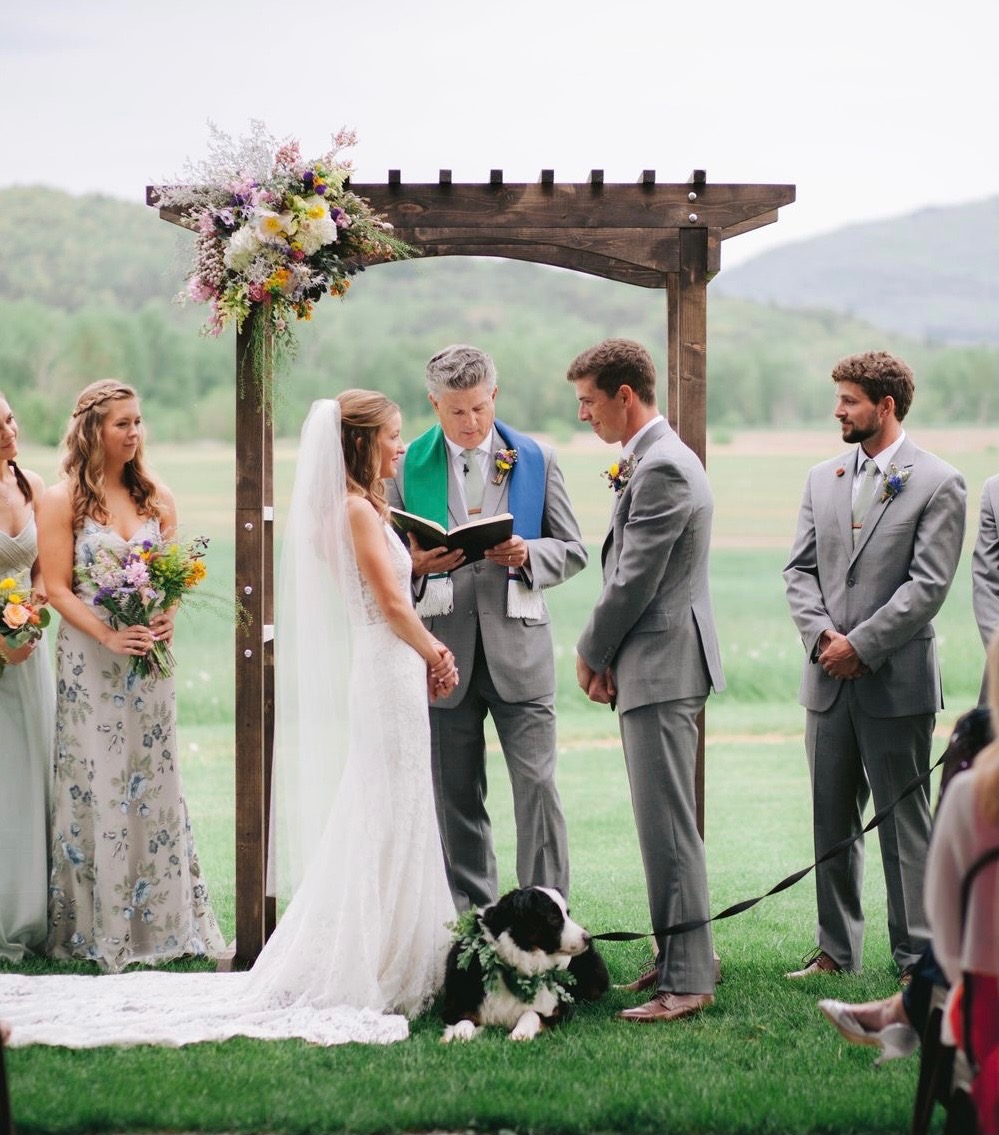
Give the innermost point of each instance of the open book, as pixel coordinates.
(473, 538)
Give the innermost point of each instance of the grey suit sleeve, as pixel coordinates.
(559, 553)
(801, 580)
(985, 564)
(659, 509)
(936, 551)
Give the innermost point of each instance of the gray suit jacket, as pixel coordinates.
(884, 593)
(520, 652)
(985, 563)
(653, 624)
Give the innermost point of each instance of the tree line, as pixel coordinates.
(93, 296)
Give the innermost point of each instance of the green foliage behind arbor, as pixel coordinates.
(91, 294)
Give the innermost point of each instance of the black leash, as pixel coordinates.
(739, 907)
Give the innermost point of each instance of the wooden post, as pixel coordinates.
(254, 648)
(686, 384)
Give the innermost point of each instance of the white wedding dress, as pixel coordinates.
(363, 942)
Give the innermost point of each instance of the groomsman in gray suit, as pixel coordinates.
(878, 541)
(493, 617)
(650, 647)
(985, 567)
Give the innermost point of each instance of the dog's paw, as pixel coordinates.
(527, 1028)
(463, 1030)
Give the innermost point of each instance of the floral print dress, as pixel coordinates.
(126, 884)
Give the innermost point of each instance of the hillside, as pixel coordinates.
(89, 293)
(933, 274)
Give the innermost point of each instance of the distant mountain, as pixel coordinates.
(932, 275)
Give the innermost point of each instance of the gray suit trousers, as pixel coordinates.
(527, 734)
(660, 752)
(847, 751)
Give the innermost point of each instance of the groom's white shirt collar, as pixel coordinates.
(629, 449)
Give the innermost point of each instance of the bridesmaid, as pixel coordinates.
(126, 882)
(27, 711)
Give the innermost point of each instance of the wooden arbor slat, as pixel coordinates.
(653, 235)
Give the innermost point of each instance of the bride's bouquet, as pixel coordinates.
(22, 618)
(138, 584)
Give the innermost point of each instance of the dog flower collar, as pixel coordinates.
(476, 942)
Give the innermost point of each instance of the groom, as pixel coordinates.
(650, 646)
(493, 617)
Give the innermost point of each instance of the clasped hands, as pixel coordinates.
(442, 673)
(838, 658)
(139, 639)
(598, 686)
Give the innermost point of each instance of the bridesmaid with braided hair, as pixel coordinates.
(27, 711)
(126, 883)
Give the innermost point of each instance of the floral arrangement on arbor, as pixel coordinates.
(274, 230)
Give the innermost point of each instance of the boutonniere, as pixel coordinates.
(894, 482)
(619, 474)
(505, 461)
(840, 471)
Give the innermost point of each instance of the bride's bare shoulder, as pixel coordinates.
(361, 514)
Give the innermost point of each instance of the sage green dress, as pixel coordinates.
(27, 715)
(126, 880)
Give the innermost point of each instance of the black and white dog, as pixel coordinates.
(520, 964)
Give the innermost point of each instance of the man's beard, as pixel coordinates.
(854, 434)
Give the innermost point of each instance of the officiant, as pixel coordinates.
(493, 617)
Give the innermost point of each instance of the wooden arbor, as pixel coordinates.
(654, 235)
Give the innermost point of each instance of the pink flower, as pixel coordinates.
(289, 156)
(199, 291)
(136, 573)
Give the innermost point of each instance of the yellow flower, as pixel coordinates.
(13, 597)
(614, 469)
(8, 584)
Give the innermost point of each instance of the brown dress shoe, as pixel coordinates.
(647, 979)
(815, 964)
(668, 1007)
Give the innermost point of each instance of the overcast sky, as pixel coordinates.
(873, 108)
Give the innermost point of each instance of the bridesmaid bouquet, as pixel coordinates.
(22, 620)
(148, 578)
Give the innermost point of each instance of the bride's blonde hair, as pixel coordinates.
(83, 461)
(362, 415)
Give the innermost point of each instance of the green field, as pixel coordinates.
(741, 1067)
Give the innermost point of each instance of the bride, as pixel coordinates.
(362, 944)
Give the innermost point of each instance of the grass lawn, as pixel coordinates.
(761, 1060)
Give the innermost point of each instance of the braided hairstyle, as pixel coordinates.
(83, 462)
(362, 415)
(19, 477)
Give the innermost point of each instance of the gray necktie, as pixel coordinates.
(865, 495)
(474, 484)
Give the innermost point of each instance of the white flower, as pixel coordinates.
(313, 234)
(273, 228)
(241, 249)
